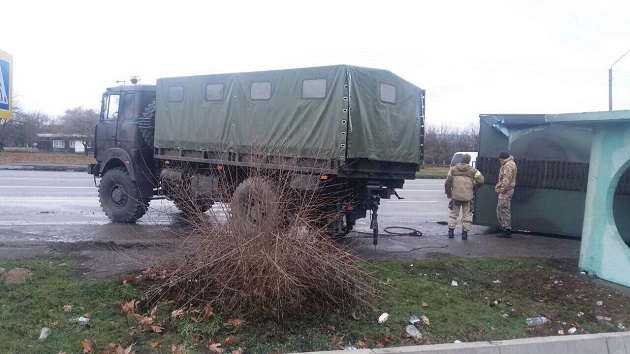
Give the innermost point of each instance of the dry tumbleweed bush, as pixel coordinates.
(270, 257)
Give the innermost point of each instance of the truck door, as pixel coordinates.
(128, 135)
(107, 127)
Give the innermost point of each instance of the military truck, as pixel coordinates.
(351, 132)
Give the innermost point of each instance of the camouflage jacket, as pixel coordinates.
(461, 182)
(507, 176)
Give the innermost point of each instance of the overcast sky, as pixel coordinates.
(471, 57)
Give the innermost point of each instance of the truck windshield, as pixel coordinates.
(111, 104)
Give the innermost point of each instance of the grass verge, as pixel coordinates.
(30, 156)
(490, 302)
(432, 172)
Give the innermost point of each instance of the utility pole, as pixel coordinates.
(610, 105)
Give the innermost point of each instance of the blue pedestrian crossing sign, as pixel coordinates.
(6, 85)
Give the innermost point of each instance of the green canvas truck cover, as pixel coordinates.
(333, 112)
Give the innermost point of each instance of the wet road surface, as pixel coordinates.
(45, 212)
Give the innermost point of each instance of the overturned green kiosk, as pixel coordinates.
(573, 180)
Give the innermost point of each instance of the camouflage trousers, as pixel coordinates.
(504, 212)
(467, 212)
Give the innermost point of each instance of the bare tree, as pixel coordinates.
(442, 141)
(473, 135)
(22, 129)
(465, 139)
(26, 126)
(438, 144)
(80, 123)
(5, 132)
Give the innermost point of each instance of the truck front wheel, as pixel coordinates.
(119, 196)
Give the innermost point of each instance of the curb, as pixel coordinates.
(42, 167)
(611, 343)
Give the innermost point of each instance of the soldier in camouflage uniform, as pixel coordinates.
(505, 190)
(461, 182)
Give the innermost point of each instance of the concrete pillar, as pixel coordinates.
(603, 253)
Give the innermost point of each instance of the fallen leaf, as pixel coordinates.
(129, 307)
(178, 313)
(67, 308)
(424, 304)
(207, 311)
(153, 312)
(198, 339)
(354, 316)
(129, 279)
(55, 323)
(234, 322)
(215, 348)
(230, 340)
(331, 328)
(88, 346)
(177, 349)
(157, 329)
(387, 329)
(238, 351)
(362, 345)
(121, 350)
(144, 320)
(62, 353)
(336, 342)
(87, 314)
(381, 343)
(155, 344)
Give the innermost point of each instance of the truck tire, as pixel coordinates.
(146, 123)
(119, 196)
(254, 207)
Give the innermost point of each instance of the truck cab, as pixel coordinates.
(118, 126)
(123, 149)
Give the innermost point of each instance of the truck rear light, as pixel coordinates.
(349, 207)
(323, 177)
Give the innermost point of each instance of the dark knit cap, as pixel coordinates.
(504, 154)
(466, 158)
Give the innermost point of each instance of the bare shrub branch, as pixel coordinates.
(271, 256)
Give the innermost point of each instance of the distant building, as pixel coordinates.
(62, 143)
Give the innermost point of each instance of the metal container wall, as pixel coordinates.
(552, 162)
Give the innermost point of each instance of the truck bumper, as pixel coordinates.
(94, 168)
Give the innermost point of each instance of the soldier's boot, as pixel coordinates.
(506, 233)
(464, 235)
(451, 233)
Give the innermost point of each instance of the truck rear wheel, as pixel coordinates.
(119, 196)
(254, 207)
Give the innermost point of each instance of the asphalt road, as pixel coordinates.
(63, 206)
(48, 212)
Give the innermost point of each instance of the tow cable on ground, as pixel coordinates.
(408, 231)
